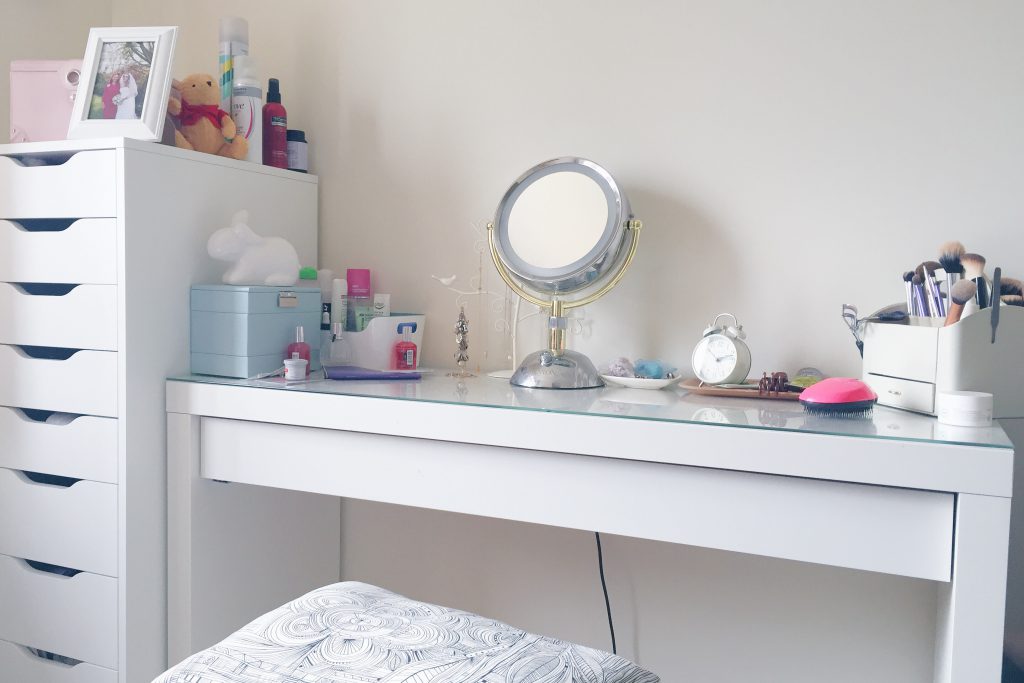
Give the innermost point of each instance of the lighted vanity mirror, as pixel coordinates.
(562, 237)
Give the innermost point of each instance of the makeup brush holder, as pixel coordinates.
(374, 347)
(909, 364)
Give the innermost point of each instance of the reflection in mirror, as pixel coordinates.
(557, 220)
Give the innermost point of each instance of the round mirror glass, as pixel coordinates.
(557, 220)
(561, 225)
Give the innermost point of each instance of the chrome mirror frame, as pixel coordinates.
(558, 290)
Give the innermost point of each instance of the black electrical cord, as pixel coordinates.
(604, 589)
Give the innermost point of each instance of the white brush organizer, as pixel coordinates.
(908, 365)
(374, 347)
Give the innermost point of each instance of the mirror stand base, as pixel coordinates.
(566, 370)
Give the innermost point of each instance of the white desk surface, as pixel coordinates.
(665, 465)
(891, 447)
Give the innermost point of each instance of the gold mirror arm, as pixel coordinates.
(634, 227)
(507, 277)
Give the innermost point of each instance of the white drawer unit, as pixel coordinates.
(20, 663)
(83, 251)
(71, 526)
(84, 383)
(79, 184)
(79, 446)
(74, 616)
(98, 250)
(83, 318)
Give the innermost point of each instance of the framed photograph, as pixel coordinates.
(125, 83)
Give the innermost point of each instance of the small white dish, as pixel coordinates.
(639, 382)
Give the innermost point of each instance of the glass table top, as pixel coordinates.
(668, 405)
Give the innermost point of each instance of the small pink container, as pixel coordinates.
(358, 282)
(42, 98)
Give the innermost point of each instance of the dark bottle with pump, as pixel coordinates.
(275, 128)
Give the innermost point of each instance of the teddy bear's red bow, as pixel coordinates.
(191, 113)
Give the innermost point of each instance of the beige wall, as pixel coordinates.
(44, 29)
(785, 157)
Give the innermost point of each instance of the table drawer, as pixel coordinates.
(83, 186)
(67, 445)
(72, 526)
(85, 383)
(19, 664)
(85, 252)
(903, 393)
(83, 318)
(75, 616)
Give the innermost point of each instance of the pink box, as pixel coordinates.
(42, 98)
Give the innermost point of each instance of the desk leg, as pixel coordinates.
(182, 473)
(969, 644)
(235, 551)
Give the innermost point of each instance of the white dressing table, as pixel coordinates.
(896, 493)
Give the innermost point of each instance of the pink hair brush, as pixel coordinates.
(839, 397)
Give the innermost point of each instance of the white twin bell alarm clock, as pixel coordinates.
(722, 357)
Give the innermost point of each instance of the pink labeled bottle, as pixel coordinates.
(405, 350)
(300, 347)
(275, 128)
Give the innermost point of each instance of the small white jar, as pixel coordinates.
(294, 368)
(965, 408)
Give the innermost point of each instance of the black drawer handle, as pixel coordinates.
(44, 288)
(43, 224)
(50, 417)
(54, 569)
(49, 479)
(53, 657)
(46, 352)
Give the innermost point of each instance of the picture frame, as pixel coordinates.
(125, 83)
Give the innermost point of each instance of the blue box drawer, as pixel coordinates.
(242, 331)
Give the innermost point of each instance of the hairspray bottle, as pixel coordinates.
(275, 128)
(247, 106)
(234, 41)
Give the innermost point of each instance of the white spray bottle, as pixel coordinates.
(247, 106)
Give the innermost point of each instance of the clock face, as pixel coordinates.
(718, 359)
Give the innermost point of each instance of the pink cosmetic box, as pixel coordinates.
(42, 98)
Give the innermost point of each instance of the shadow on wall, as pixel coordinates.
(670, 294)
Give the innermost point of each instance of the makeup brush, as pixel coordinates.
(974, 270)
(1012, 299)
(908, 284)
(917, 290)
(997, 286)
(950, 254)
(1011, 286)
(962, 292)
(934, 297)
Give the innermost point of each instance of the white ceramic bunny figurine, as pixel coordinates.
(257, 260)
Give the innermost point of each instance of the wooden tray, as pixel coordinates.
(693, 385)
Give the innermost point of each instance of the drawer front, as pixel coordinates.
(903, 393)
(908, 351)
(71, 526)
(19, 664)
(67, 445)
(83, 318)
(74, 616)
(84, 186)
(85, 383)
(84, 253)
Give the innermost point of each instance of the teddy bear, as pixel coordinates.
(203, 125)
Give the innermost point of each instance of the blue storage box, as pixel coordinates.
(243, 331)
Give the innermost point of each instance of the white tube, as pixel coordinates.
(339, 301)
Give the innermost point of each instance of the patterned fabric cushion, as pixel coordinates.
(356, 633)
